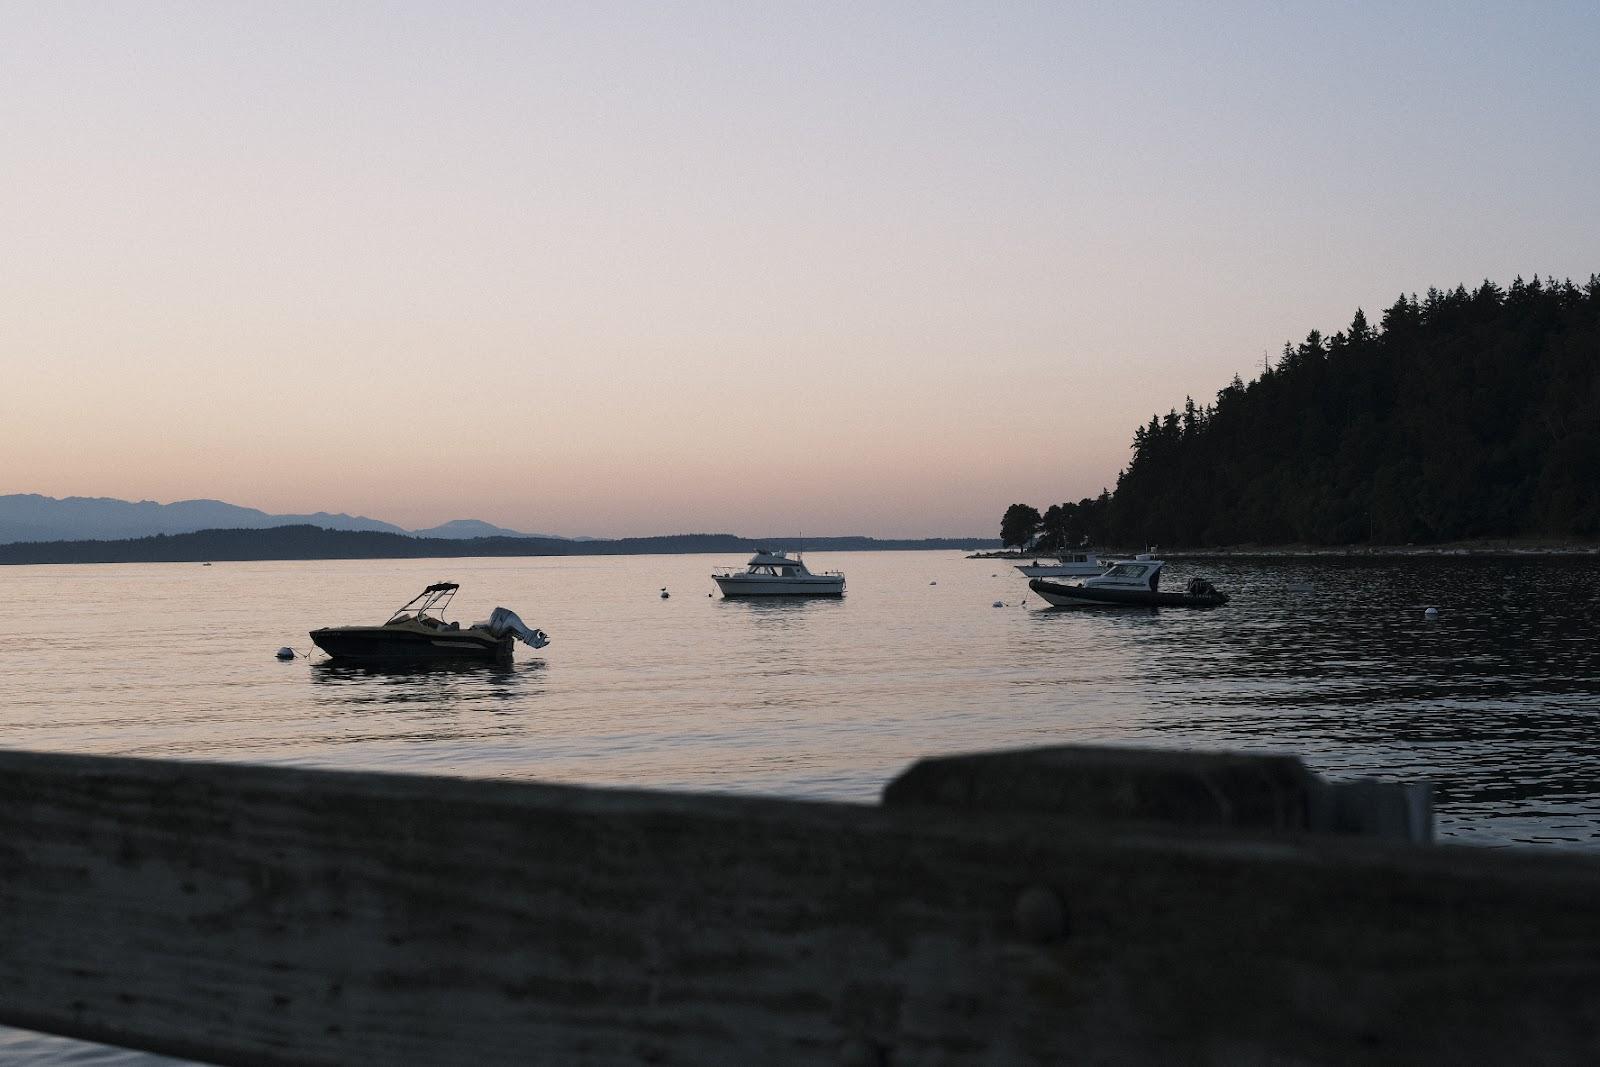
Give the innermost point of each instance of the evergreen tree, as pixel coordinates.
(1467, 414)
(1360, 332)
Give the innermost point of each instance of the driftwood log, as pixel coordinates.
(1029, 907)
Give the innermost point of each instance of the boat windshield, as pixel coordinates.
(430, 602)
(1129, 570)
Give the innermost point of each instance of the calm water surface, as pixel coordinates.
(1495, 701)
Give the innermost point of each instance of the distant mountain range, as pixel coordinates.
(31, 517)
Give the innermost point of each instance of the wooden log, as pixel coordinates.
(250, 915)
(1243, 790)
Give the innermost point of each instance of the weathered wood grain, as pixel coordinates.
(250, 915)
(1245, 791)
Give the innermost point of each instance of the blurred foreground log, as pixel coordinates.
(254, 915)
(1258, 792)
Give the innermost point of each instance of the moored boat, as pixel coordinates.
(777, 574)
(419, 633)
(1128, 583)
(1068, 565)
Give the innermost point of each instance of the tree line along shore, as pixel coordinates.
(1462, 417)
(1475, 550)
(313, 542)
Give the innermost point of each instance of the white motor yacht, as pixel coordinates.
(1068, 565)
(777, 574)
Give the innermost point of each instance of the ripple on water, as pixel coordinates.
(1495, 701)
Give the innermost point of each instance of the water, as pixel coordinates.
(1495, 701)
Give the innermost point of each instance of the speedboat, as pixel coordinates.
(1134, 582)
(777, 574)
(1068, 565)
(419, 633)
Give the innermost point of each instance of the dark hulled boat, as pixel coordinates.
(419, 633)
(1129, 583)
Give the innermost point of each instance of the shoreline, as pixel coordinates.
(1449, 550)
(315, 543)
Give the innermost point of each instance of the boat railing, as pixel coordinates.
(731, 572)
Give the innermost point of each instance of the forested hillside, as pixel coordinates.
(311, 542)
(1465, 414)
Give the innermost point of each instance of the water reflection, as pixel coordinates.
(1494, 700)
(780, 605)
(431, 702)
(412, 682)
(1331, 659)
(777, 621)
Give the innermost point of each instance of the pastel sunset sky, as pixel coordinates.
(615, 269)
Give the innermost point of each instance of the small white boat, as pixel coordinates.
(777, 574)
(1068, 565)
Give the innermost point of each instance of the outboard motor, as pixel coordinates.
(505, 621)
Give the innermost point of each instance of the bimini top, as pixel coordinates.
(430, 602)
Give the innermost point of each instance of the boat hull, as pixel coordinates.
(1060, 570)
(1078, 596)
(404, 644)
(741, 585)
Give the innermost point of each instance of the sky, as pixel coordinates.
(833, 268)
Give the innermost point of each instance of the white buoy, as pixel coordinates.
(285, 652)
(1431, 613)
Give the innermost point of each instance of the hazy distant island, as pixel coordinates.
(32, 517)
(304, 541)
(1467, 415)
